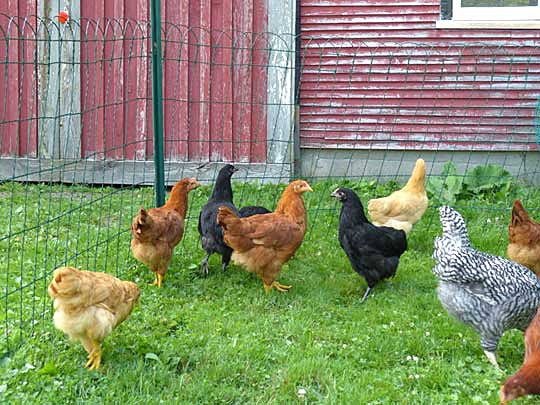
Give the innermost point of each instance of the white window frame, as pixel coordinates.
(491, 17)
(526, 13)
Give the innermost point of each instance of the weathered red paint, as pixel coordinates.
(259, 83)
(92, 81)
(176, 79)
(215, 84)
(137, 103)
(18, 109)
(378, 74)
(242, 77)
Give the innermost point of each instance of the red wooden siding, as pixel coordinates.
(115, 81)
(215, 90)
(378, 74)
(205, 104)
(18, 72)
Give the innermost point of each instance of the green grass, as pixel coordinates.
(221, 339)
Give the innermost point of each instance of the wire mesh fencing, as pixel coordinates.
(76, 138)
(76, 133)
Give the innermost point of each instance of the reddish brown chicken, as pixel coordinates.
(157, 231)
(263, 243)
(89, 305)
(527, 379)
(524, 238)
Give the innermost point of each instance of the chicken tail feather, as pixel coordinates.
(141, 222)
(141, 218)
(226, 217)
(519, 215)
(65, 283)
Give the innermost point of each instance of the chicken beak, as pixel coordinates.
(335, 194)
(308, 188)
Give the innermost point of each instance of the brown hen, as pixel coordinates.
(89, 305)
(157, 231)
(527, 379)
(263, 243)
(524, 238)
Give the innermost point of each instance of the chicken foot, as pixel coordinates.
(279, 287)
(93, 347)
(158, 281)
(204, 266)
(94, 359)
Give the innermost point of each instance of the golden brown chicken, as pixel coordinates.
(403, 208)
(524, 238)
(263, 243)
(527, 379)
(89, 305)
(157, 231)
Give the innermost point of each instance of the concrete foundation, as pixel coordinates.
(397, 165)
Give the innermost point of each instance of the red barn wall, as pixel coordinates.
(201, 41)
(214, 108)
(18, 133)
(378, 74)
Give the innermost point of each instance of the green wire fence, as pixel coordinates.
(78, 145)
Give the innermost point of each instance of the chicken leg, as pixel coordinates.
(158, 281)
(94, 358)
(491, 358)
(204, 266)
(226, 258)
(366, 294)
(279, 287)
(93, 347)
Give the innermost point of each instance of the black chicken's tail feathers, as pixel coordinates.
(251, 210)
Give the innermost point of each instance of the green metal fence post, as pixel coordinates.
(157, 103)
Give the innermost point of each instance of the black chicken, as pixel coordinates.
(251, 210)
(211, 233)
(373, 251)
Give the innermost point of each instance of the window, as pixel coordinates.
(495, 10)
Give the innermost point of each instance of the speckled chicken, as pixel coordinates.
(485, 291)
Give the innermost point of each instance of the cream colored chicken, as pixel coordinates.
(403, 208)
(89, 305)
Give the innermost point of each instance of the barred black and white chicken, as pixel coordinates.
(485, 291)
